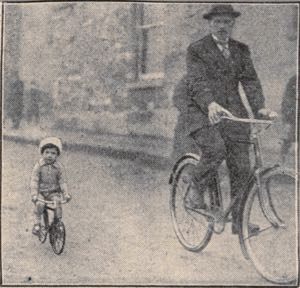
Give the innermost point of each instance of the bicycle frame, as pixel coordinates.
(255, 174)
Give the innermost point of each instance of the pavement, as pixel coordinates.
(119, 229)
(152, 151)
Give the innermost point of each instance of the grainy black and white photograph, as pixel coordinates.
(149, 143)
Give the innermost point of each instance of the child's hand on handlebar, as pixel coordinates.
(267, 114)
(68, 197)
(215, 111)
(34, 198)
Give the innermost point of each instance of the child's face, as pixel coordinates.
(50, 155)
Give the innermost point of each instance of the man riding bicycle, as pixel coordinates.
(216, 64)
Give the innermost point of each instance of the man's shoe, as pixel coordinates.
(234, 228)
(36, 229)
(253, 229)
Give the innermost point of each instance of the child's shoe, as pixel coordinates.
(36, 229)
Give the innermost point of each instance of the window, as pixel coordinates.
(148, 41)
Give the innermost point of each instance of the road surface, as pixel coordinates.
(118, 225)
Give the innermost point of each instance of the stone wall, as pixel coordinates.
(77, 50)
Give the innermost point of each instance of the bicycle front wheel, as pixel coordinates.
(272, 249)
(57, 237)
(192, 229)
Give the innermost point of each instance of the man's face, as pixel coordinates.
(221, 26)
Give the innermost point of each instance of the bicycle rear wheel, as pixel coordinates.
(273, 249)
(57, 237)
(192, 229)
(44, 227)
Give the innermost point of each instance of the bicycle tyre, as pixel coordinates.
(44, 227)
(273, 249)
(201, 241)
(57, 237)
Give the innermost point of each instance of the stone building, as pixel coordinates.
(112, 66)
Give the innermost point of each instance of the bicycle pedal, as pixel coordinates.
(281, 225)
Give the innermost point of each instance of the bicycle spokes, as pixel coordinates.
(43, 234)
(267, 205)
(192, 229)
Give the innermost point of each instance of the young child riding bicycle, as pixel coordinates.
(48, 179)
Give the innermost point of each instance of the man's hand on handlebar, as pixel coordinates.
(267, 114)
(215, 111)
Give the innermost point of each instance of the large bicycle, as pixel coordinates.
(53, 226)
(269, 201)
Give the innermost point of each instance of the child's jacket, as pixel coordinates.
(47, 178)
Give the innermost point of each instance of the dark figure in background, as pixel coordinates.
(288, 112)
(33, 111)
(15, 103)
(216, 65)
(182, 142)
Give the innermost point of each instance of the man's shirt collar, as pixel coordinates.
(220, 44)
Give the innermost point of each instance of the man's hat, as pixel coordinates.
(218, 10)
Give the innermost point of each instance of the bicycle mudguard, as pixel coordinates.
(177, 164)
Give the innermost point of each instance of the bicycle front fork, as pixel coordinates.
(57, 211)
(265, 201)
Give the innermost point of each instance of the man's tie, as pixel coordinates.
(223, 47)
(225, 51)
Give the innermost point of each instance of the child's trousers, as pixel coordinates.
(40, 206)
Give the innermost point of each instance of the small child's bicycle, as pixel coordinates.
(55, 228)
(269, 201)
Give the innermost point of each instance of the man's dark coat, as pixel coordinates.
(211, 77)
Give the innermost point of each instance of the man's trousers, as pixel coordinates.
(217, 144)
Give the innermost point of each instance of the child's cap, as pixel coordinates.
(51, 140)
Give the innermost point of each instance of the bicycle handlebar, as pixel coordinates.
(52, 202)
(247, 120)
